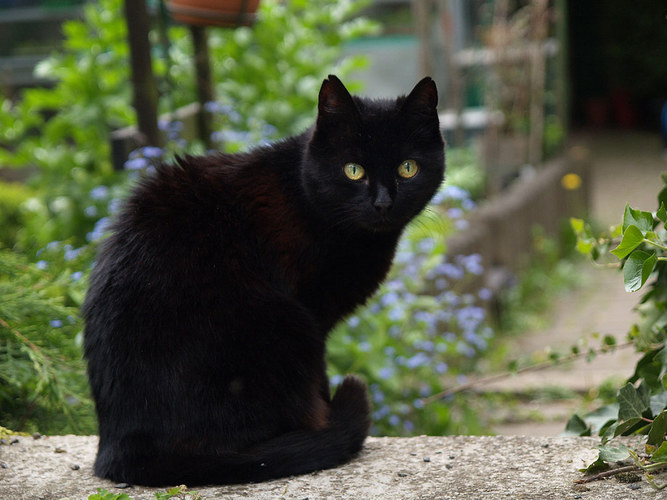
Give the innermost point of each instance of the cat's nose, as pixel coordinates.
(383, 206)
(383, 201)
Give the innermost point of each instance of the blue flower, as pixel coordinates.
(454, 213)
(484, 294)
(76, 276)
(42, 264)
(56, 323)
(455, 193)
(353, 321)
(419, 359)
(408, 426)
(99, 230)
(394, 420)
(386, 372)
(136, 164)
(90, 211)
(336, 380)
(72, 253)
(99, 193)
(152, 152)
(389, 299)
(396, 314)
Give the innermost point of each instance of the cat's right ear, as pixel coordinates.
(335, 102)
(334, 97)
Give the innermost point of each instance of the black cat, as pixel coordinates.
(210, 303)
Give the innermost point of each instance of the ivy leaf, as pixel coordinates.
(627, 427)
(613, 453)
(662, 213)
(632, 238)
(643, 220)
(577, 427)
(656, 435)
(660, 455)
(596, 467)
(632, 403)
(637, 269)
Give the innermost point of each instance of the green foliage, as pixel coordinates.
(640, 242)
(270, 72)
(12, 196)
(42, 381)
(178, 492)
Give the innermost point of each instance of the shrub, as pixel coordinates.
(640, 243)
(42, 382)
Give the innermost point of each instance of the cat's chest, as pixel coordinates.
(343, 277)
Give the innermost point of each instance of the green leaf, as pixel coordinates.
(613, 453)
(632, 403)
(637, 269)
(577, 427)
(662, 196)
(643, 220)
(656, 435)
(660, 455)
(632, 238)
(595, 468)
(577, 225)
(627, 427)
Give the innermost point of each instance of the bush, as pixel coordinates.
(12, 197)
(640, 242)
(42, 382)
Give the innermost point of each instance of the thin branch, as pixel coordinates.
(609, 473)
(532, 368)
(20, 336)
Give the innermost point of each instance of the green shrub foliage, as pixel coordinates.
(640, 242)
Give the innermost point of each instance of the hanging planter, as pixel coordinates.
(228, 13)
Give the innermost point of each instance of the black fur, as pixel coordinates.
(210, 303)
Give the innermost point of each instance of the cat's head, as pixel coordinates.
(373, 165)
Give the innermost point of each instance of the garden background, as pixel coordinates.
(519, 82)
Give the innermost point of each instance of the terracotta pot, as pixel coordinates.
(228, 13)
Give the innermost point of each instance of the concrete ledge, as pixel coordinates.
(451, 467)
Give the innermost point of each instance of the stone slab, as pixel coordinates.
(452, 467)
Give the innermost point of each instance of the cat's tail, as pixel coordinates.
(294, 453)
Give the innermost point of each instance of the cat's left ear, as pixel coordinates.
(423, 98)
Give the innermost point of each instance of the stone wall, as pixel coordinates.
(460, 467)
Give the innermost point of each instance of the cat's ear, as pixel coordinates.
(423, 98)
(335, 101)
(337, 116)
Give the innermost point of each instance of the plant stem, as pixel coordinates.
(609, 473)
(536, 367)
(655, 244)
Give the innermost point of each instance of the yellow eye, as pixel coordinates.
(408, 169)
(354, 171)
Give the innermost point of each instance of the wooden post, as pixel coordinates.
(421, 10)
(145, 88)
(540, 23)
(454, 78)
(204, 84)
